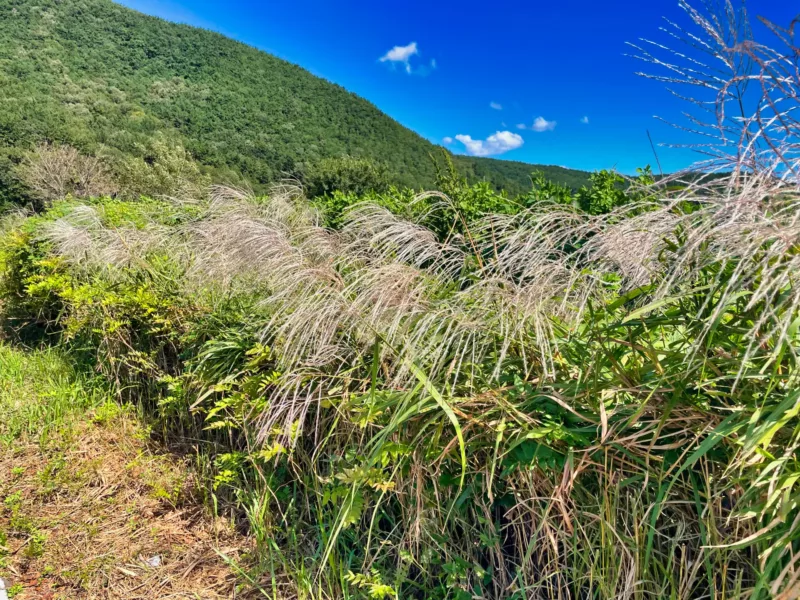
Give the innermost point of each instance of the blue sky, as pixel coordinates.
(540, 82)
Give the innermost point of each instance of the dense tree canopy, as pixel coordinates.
(104, 79)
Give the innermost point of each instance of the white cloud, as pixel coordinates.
(433, 63)
(542, 124)
(401, 55)
(585, 120)
(497, 143)
(496, 105)
(447, 140)
(521, 126)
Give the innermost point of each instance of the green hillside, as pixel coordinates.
(105, 78)
(514, 176)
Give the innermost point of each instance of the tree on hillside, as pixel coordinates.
(347, 174)
(52, 171)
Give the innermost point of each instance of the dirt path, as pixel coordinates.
(92, 511)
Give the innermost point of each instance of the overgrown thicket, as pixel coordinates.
(407, 397)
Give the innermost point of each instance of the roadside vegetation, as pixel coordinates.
(89, 507)
(462, 393)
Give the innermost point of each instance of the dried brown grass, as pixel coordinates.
(105, 502)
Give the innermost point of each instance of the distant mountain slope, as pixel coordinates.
(91, 73)
(515, 175)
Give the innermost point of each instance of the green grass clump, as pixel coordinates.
(39, 393)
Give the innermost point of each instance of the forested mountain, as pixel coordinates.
(514, 176)
(107, 79)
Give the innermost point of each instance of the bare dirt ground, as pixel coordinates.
(93, 511)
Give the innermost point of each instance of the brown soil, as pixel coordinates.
(83, 512)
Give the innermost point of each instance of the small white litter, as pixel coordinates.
(3, 594)
(153, 561)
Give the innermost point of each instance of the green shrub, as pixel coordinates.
(159, 167)
(349, 175)
(464, 203)
(542, 189)
(12, 191)
(604, 195)
(335, 206)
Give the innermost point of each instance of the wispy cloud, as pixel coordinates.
(539, 124)
(496, 105)
(585, 120)
(497, 143)
(402, 55)
(447, 140)
(542, 124)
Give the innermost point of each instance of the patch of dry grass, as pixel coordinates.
(82, 513)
